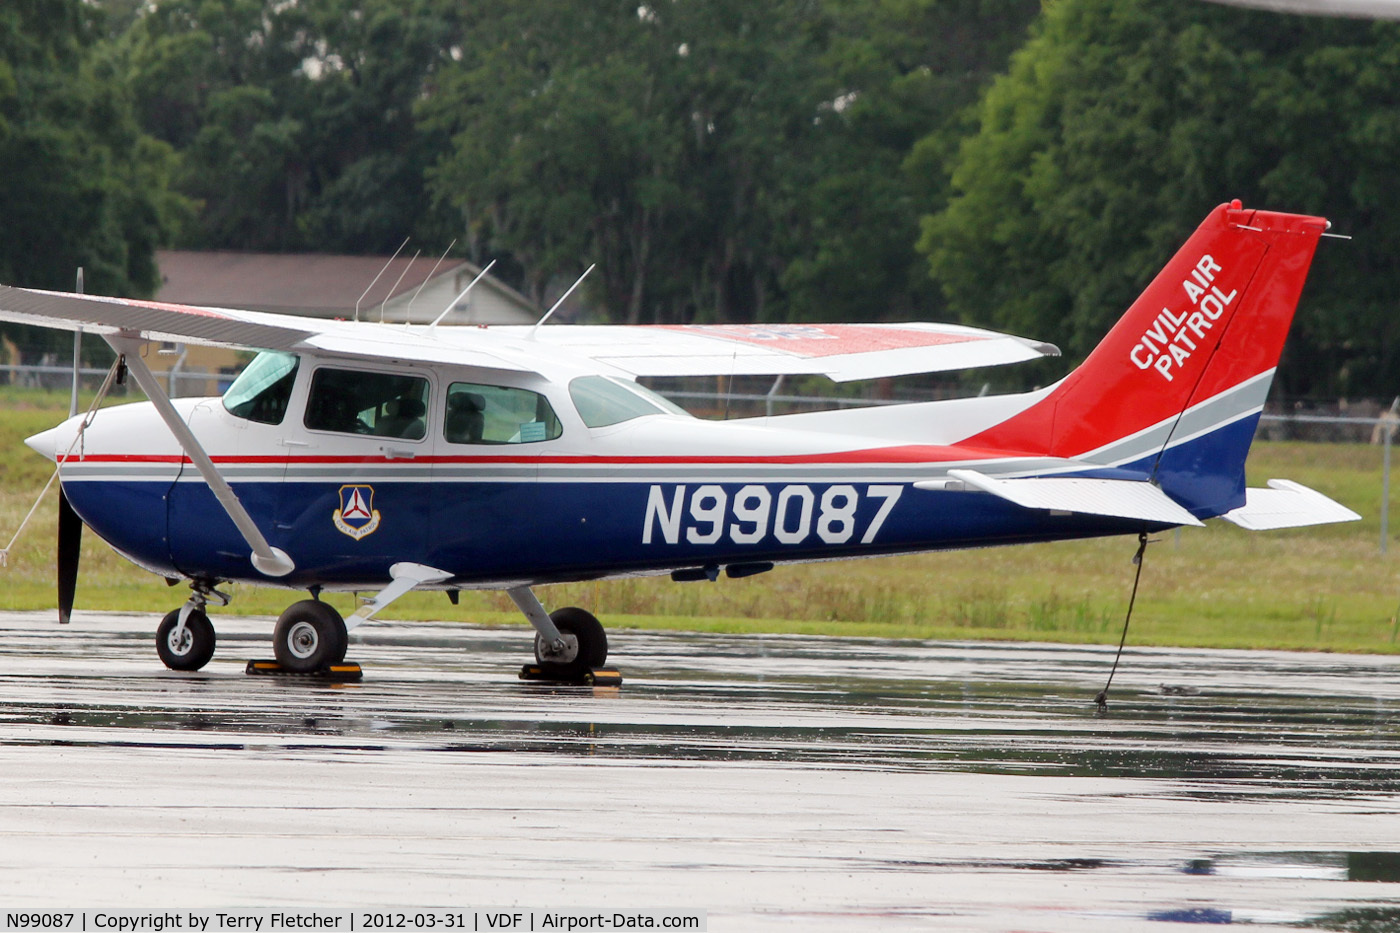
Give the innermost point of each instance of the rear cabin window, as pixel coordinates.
(482, 414)
(378, 404)
(262, 390)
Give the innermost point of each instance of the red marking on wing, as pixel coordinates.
(820, 340)
(150, 305)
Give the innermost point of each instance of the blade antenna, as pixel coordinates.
(77, 354)
(453, 303)
(376, 278)
(576, 284)
(396, 285)
(408, 314)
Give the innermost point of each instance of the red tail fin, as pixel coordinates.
(1213, 319)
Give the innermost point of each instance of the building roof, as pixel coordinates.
(312, 284)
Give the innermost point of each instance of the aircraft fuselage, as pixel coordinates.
(651, 493)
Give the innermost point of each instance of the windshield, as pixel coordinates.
(603, 400)
(262, 390)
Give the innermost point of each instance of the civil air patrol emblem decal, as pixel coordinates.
(356, 516)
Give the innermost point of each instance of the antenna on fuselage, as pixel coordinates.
(408, 313)
(561, 300)
(453, 303)
(396, 285)
(77, 354)
(376, 278)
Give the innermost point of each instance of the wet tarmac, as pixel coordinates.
(773, 782)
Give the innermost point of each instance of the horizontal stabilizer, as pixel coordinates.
(405, 576)
(1286, 504)
(1113, 497)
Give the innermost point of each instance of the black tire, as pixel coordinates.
(587, 649)
(310, 636)
(194, 649)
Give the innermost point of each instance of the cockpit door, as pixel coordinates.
(356, 497)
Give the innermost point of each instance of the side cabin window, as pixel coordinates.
(603, 400)
(262, 390)
(482, 414)
(378, 404)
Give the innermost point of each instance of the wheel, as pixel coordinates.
(193, 648)
(585, 644)
(310, 636)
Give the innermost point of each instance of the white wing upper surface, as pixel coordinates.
(844, 352)
(152, 319)
(226, 327)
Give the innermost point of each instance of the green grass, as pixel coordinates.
(1325, 588)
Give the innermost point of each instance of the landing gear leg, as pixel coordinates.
(185, 638)
(570, 644)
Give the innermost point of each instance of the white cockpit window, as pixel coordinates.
(262, 390)
(604, 400)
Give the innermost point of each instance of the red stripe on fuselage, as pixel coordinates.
(913, 453)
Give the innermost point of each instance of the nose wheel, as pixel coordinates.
(185, 637)
(185, 647)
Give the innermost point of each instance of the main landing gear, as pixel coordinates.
(570, 644)
(311, 637)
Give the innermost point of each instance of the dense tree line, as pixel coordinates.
(1122, 121)
(1008, 163)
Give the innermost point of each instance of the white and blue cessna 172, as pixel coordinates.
(384, 458)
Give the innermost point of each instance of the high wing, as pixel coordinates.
(843, 352)
(225, 327)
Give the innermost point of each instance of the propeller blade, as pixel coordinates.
(70, 539)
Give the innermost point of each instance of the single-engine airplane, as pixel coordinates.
(387, 458)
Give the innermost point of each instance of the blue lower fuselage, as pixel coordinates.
(490, 533)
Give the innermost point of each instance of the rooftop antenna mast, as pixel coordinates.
(453, 303)
(376, 278)
(561, 300)
(396, 285)
(408, 314)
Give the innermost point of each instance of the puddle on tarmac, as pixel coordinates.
(1232, 730)
(1313, 726)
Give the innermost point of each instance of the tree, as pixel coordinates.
(82, 186)
(662, 142)
(295, 122)
(1122, 123)
(718, 161)
(907, 71)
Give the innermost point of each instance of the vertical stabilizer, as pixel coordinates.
(1176, 388)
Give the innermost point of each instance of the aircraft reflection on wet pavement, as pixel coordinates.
(975, 782)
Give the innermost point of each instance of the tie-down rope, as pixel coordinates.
(58, 463)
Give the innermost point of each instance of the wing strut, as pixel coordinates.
(274, 562)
